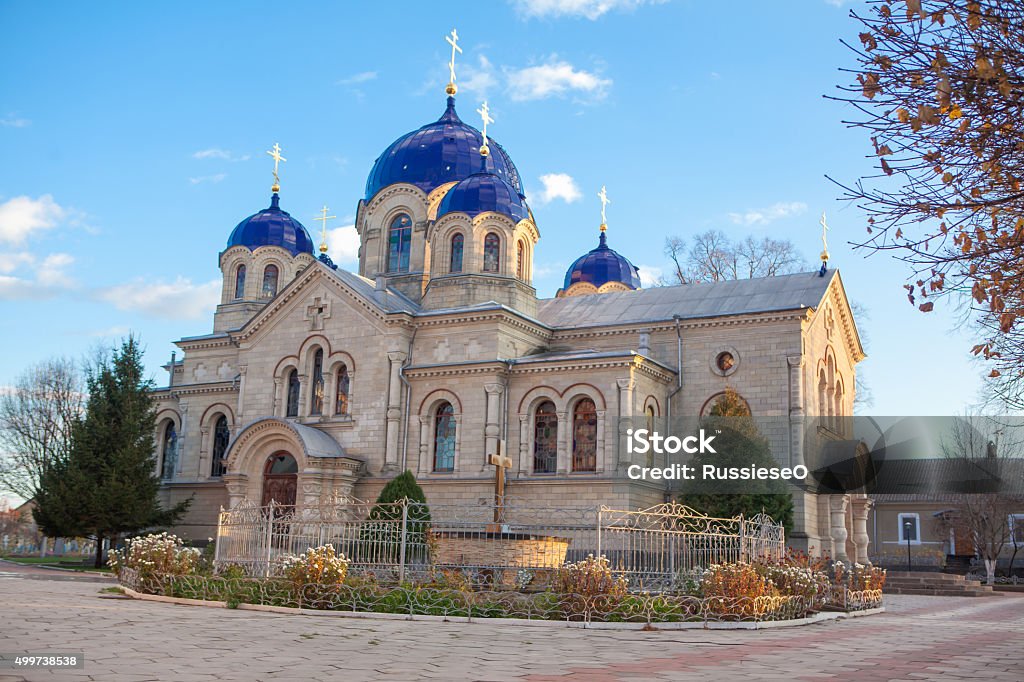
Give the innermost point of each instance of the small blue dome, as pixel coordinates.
(272, 227)
(483, 192)
(446, 150)
(603, 265)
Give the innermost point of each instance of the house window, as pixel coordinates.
(221, 438)
(293, 394)
(492, 245)
(240, 281)
(444, 438)
(170, 452)
(649, 418)
(341, 400)
(520, 260)
(317, 406)
(1017, 530)
(399, 241)
(455, 263)
(584, 436)
(910, 528)
(269, 289)
(545, 439)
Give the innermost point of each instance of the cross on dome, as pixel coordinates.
(485, 116)
(275, 153)
(603, 196)
(323, 218)
(452, 40)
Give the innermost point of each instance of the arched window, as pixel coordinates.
(444, 438)
(520, 260)
(341, 400)
(455, 264)
(269, 289)
(240, 281)
(221, 438)
(649, 418)
(492, 247)
(293, 394)
(584, 436)
(169, 460)
(545, 439)
(317, 406)
(399, 240)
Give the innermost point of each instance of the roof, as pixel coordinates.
(389, 300)
(481, 193)
(602, 265)
(442, 151)
(945, 477)
(688, 301)
(272, 227)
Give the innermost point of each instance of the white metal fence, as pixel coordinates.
(655, 549)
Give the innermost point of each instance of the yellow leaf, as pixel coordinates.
(955, 112)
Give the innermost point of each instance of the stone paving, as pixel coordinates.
(919, 638)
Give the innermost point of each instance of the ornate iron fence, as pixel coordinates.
(510, 546)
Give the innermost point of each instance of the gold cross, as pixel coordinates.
(275, 154)
(603, 196)
(485, 116)
(452, 40)
(824, 237)
(323, 218)
(500, 462)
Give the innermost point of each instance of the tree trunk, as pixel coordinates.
(99, 552)
(990, 571)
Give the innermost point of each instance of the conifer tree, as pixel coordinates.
(384, 538)
(107, 484)
(740, 444)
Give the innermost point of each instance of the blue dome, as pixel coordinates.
(603, 265)
(444, 151)
(483, 192)
(272, 227)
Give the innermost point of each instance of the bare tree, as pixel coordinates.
(713, 257)
(985, 442)
(939, 94)
(36, 416)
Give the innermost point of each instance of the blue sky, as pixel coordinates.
(133, 139)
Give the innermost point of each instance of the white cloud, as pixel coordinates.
(357, 78)
(763, 216)
(591, 9)
(556, 78)
(218, 153)
(559, 186)
(343, 245)
(12, 121)
(20, 216)
(215, 178)
(9, 262)
(177, 300)
(116, 330)
(480, 78)
(650, 275)
(51, 272)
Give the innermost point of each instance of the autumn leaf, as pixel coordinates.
(885, 168)
(926, 307)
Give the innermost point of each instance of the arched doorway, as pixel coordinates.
(280, 479)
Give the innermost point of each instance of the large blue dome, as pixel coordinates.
(603, 265)
(483, 192)
(444, 151)
(272, 227)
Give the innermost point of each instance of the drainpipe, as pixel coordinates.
(408, 399)
(679, 387)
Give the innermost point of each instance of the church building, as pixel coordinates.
(317, 384)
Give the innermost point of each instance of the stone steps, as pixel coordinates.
(934, 584)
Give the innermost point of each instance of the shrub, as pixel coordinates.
(587, 586)
(381, 534)
(738, 589)
(320, 566)
(154, 555)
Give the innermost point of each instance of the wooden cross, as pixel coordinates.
(500, 462)
(275, 153)
(323, 218)
(453, 40)
(603, 196)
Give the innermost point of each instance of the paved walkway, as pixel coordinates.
(919, 638)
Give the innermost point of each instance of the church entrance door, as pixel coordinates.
(280, 479)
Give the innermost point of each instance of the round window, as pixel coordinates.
(725, 361)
